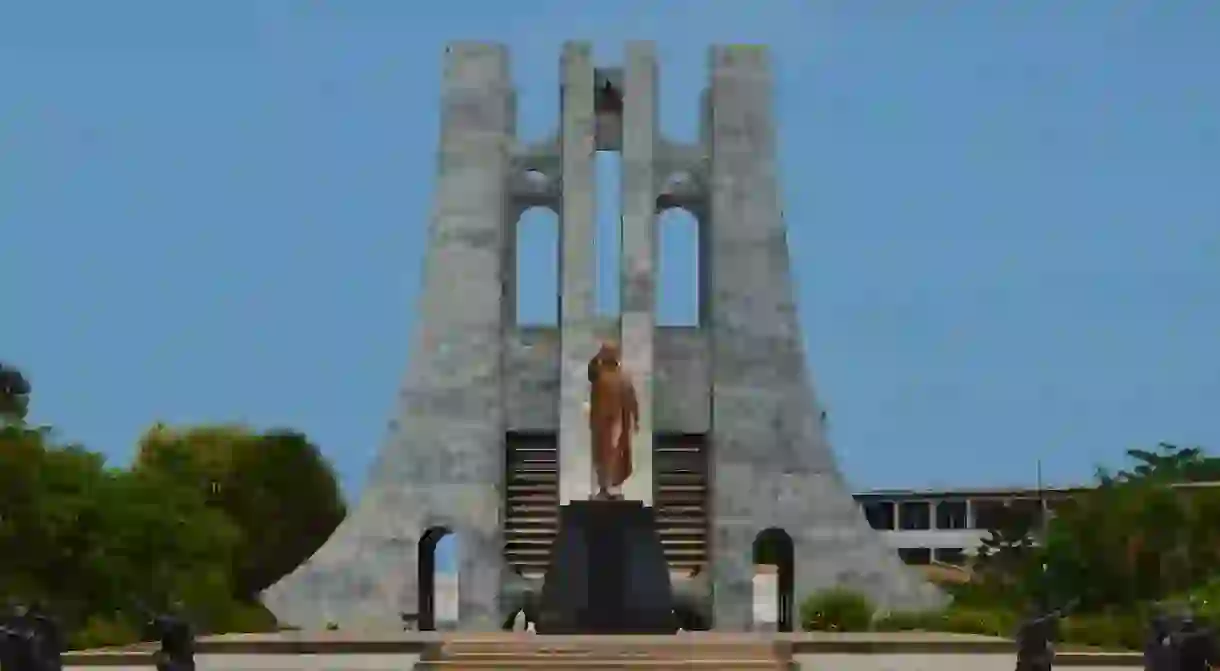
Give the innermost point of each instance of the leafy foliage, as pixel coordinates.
(1142, 538)
(276, 487)
(1170, 463)
(87, 539)
(14, 394)
(1139, 537)
(206, 518)
(836, 610)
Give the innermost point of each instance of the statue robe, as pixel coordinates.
(613, 414)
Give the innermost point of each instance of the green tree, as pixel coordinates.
(14, 395)
(1170, 463)
(1136, 537)
(88, 539)
(276, 487)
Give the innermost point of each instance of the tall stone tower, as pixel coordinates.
(491, 435)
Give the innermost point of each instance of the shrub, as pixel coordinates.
(836, 610)
(986, 622)
(1103, 630)
(101, 631)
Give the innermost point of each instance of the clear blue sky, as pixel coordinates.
(1005, 217)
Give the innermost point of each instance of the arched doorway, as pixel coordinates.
(426, 579)
(773, 548)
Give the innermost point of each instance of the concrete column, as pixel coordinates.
(577, 233)
(751, 311)
(638, 253)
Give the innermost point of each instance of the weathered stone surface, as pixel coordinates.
(739, 377)
(773, 466)
(682, 381)
(638, 265)
(578, 340)
(442, 464)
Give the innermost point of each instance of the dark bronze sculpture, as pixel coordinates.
(30, 640)
(1195, 646)
(177, 652)
(1035, 641)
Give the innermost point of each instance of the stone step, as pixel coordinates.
(533, 464)
(679, 509)
(670, 527)
(523, 543)
(689, 498)
(512, 533)
(517, 469)
(534, 484)
(667, 535)
(525, 663)
(525, 549)
(683, 487)
(536, 567)
(533, 520)
(607, 653)
(531, 477)
(543, 662)
(532, 509)
(534, 495)
(514, 653)
(689, 553)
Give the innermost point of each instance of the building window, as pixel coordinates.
(914, 516)
(880, 515)
(1028, 510)
(954, 556)
(915, 556)
(989, 514)
(951, 515)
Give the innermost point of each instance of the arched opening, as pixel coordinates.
(773, 579)
(537, 271)
(437, 578)
(677, 268)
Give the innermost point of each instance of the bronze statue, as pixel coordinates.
(614, 415)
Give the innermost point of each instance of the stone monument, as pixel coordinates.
(491, 435)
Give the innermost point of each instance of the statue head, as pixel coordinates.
(608, 354)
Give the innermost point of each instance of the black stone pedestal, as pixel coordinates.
(607, 573)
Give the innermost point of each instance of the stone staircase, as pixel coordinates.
(680, 493)
(603, 653)
(532, 501)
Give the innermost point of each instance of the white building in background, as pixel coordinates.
(947, 525)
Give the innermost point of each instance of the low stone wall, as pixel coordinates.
(950, 661)
(324, 651)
